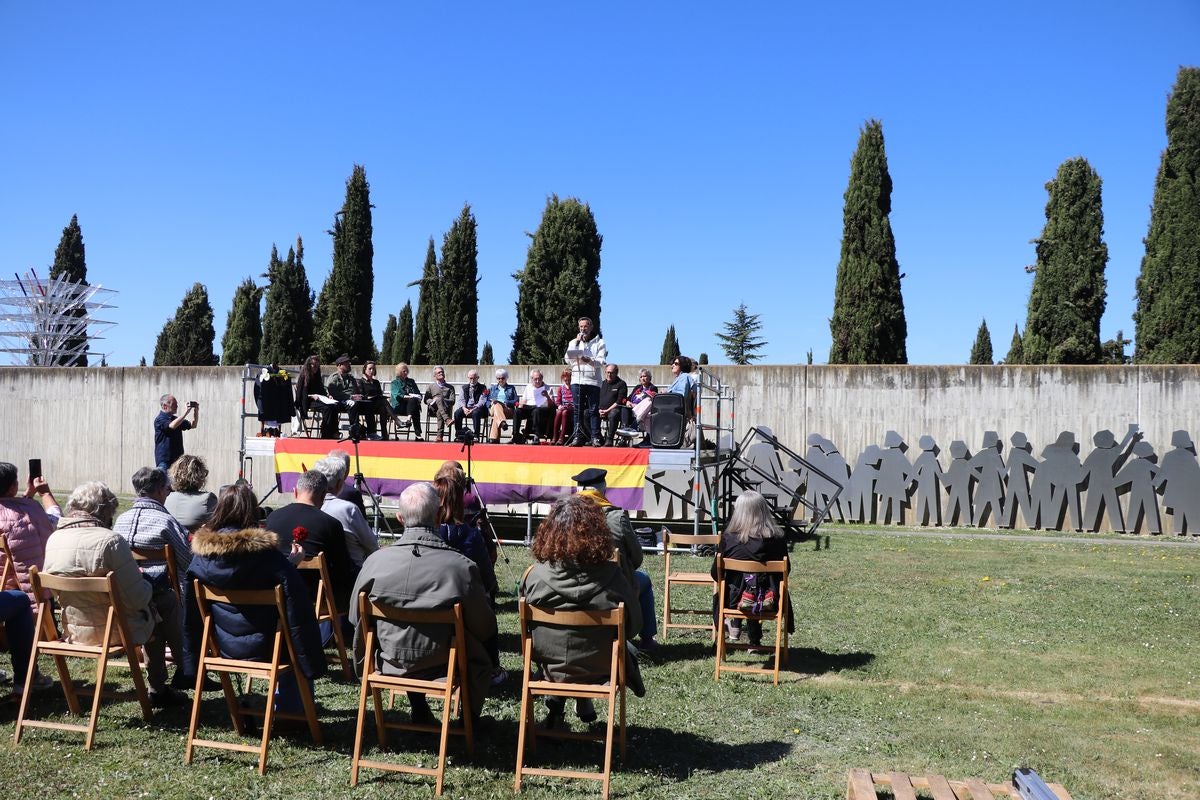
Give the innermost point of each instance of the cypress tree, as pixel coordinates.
(402, 347)
(287, 320)
(458, 294)
(343, 312)
(243, 328)
(1168, 287)
(1067, 300)
(703, 359)
(186, 339)
(389, 338)
(981, 351)
(427, 307)
(559, 284)
(868, 325)
(485, 356)
(1016, 350)
(70, 265)
(670, 347)
(739, 341)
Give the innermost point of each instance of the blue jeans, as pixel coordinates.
(587, 410)
(18, 627)
(645, 591)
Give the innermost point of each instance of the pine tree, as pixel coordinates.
(1066, 302)
(458, 294)
(287, 320)
(70, 264)
(485, 356)
(389, 338)
(343, 312)
(1112, 351)
(981, 351)
(868, 325)
(243, 328)
(670, 348)
(427, 308)
(1016, 350)
(186, 339)
(402, 347)
(559, 284)
(1168, 288)
(739, 341)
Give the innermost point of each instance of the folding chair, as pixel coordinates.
(8, 575)
(165, 554)
(212, 661)
(613, 692)
(327, 611)
(778, 616)
(451, 688)
(47, 642)
(684, 578)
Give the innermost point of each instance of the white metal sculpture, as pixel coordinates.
(49, 322)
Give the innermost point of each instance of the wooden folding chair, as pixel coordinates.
(327, 610)
(211, 660)
(116, 642)
(612, 692)
(684, 578)
(8, 574)
(165, 554)
(451, 688)
(778, 616)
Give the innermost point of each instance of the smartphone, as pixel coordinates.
(35, 468)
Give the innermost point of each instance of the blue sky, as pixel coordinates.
(712, 142)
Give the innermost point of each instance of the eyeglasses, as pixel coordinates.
(674, 363)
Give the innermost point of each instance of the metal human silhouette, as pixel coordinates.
(1055, 489)
(861, 488)
(1179, 481)
(1021, 464)
(823, 455)
(1139, 475)
(926, 479)
(958, 480)
(895, 474)
(988, 468)
(1099, 478)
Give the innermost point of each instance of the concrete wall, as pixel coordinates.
(95, 423)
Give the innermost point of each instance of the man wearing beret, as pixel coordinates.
(343, 388)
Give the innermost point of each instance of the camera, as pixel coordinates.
(193, 404)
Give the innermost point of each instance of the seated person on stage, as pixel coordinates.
(311, 393)
(423, 572)
(406, 399)
(361, 541)
(502, 400)
(614, 404)
(683, 382)
(535, 412)
(573, 570)
(564, 408)
(472, 403)
(375, 403)
(343, 388)
(640, 399)
(440, 399)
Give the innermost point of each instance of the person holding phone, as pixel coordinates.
(169, 428)
(26, 523)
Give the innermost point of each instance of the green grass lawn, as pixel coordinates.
(965, 657)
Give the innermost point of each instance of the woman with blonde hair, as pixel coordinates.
(751, 534)
(188, 502)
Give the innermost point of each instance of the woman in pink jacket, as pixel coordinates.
(26, 524)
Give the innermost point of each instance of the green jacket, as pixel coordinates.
(340, 388)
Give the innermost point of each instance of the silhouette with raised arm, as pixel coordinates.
(1099, 478)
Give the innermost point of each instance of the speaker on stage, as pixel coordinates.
(666, 420)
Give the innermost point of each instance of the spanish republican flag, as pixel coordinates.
(508, 473)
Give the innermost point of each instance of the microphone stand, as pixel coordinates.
(360, 482)
(485, 522)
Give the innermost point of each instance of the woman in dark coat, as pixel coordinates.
(251, 559)
(575, 571)
(751, 534)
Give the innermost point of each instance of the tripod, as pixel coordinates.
(360, 482)
(467, 438)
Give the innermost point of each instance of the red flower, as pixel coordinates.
(299, 534)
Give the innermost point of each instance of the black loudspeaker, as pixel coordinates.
(666, 420)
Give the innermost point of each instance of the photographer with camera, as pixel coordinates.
(168, 430)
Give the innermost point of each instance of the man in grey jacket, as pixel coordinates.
(420, 571)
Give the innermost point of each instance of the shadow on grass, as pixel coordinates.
(801, 660)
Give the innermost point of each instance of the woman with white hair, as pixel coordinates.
(502, 399)
(751, 534)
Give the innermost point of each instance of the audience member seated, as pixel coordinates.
(361, 541)
(439, 397)
(304, 523)
(250, 559)
(473, 510)
(311, 394)
(236, 508)
(535, 411)
(574, 571)
(592, 485)
(406, 400)
(17, 617)
(614, 404)
(423, 572)
(188, 502)
(343, 387)
(349, 491)
(564, 409)
(473, 404)
(751, 534)
(84, 546)
(502, 401)
(640, 400)
(376, 405)
(26, 523)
